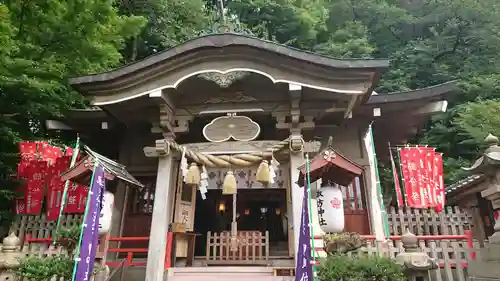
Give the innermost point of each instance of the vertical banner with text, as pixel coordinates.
(303, 270)
(410, 166)
(89, 238)
(439, 181)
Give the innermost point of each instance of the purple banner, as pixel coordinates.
(303, 270)
(90, 237)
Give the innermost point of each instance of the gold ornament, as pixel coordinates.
(263, 176)
(229, 186)
(193, 176)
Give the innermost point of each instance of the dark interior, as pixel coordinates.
(262, 209)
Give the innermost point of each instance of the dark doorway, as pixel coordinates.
(257, 209)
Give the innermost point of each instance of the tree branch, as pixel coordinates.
(458, 37)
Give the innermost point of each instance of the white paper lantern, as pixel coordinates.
(330, 209)
(106, 212)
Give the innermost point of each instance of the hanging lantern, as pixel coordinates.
(247, 212)
(229, 186)
(330, 208)
(106, 212)
(278, 211)
(263, 174)
(222, 207)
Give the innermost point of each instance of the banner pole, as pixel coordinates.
(379, 186)
(310, 217)
(76, 151)
(77, 250)
(403, 191)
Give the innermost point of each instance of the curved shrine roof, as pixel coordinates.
(226, 40)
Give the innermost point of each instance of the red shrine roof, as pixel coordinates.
(330, 165)
(82, 171)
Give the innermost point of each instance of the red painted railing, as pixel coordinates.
(467, 236)
(129, 260)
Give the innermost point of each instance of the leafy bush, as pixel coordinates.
(360, 268)
(44, 268)
(343, 242)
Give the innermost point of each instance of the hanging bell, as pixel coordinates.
(229, 186)
(193, 176)
(263, 176)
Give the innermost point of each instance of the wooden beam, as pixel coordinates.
(57, 125)
(350, 106)
(434, 107)
(163, 97)
(159, 224)
(295, 93)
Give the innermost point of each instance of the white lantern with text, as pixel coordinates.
(106, 212)
(330, 208)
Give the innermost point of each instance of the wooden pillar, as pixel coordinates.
(374, 208)
(296, 160)
(160, 222)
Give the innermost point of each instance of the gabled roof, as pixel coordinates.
(435, 91)
(330, 165)
(226, 40)
(464, 183)
(81, 171)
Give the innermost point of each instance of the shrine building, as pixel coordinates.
(226, 102)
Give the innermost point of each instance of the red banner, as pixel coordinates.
(20, 206)
(410, 165)
(56, 187)
(397, 187)
(27, 151)
(35, 187)
(439, 182)
(68, 151)
(427, 170)
(83, 191)
(40, 167)
(50, 153)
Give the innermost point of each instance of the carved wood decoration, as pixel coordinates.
(237, 97)
(224, 80)
(240, 128)
(245, 178)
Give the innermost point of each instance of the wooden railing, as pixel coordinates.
(252, 248)
(44, 246)
(452, 252)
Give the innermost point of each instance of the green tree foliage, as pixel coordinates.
(478, 119)
(169, 23)
(42, 44)
(428, 42)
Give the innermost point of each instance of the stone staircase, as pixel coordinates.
(225, 273)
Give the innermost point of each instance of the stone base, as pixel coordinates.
(491, 252)
(484, 270)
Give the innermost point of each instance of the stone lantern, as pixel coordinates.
(417, 263)
(10, 257)
(489, 164)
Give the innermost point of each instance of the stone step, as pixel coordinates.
(222, 271)
(229, 278)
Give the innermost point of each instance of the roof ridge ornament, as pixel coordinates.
(491, 140)
(222, 25)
